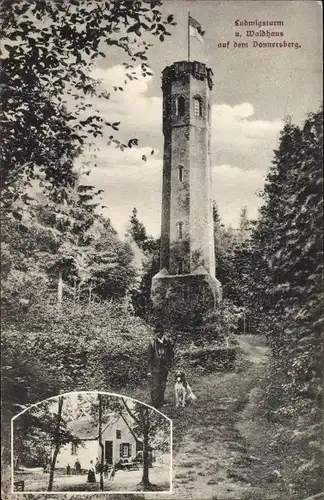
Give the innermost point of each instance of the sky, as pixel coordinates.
(254, 90)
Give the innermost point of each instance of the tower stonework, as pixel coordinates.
(187, 265)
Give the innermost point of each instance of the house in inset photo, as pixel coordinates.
(118, 439)
(91, 442)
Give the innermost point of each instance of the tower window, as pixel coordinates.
(180, 230)
(180, 106)
(180, 173)
(197, 106)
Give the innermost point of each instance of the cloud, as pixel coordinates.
(130, 182)
(234, 127)
(235, 187)
(132, 107)
(242, 147)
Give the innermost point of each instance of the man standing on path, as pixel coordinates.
(160, 358)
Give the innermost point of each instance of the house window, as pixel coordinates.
(180, 266)
(180, 106)
(180, 173)
(74, 449)
(180, 230)
(118, 434)
(125, 450)
(197, 106)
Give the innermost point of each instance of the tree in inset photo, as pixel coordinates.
(91, 442)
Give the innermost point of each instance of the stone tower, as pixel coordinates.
(187, 266)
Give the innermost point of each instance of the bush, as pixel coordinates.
(70, 348)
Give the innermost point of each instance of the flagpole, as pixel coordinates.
(188, 36)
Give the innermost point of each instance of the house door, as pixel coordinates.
(109, 452)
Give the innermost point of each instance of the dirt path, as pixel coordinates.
(213, 457)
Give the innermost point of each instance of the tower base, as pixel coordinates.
(184, 298)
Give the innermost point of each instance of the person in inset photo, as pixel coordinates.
(91, 478)
(77, 467)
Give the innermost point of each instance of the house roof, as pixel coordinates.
(87, 429)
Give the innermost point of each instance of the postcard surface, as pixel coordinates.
(161, 249)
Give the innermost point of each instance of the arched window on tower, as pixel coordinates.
(180, 230)
(180, 172)
(180, 106)
(197, 106)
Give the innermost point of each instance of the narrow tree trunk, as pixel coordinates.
(244, 321)
(145, 477)
(60, 288)
(74, 292)
(100, 443)
(57, 443)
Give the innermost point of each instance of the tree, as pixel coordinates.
(147, 423)
(41, 431)
(150, 248)
(48, 50)
(53, 255)
(244, 225)
(137, 230)
(110, 263)
(56, 441)
(102, 454)
(32, 444)
(224, 242)
(287, 244)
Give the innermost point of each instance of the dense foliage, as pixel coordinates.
(150, 253)
(286, 291)
(49, 48)
(71, 347)
(65, 273)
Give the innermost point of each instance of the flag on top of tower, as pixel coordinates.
(195, 29)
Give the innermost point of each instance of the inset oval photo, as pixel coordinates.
(91, 441)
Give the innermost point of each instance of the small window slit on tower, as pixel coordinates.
(180, 230)
(180, 173)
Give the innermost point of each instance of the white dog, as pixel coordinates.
(183, 391)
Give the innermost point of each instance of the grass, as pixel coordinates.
(209, 433)
(218, 433)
